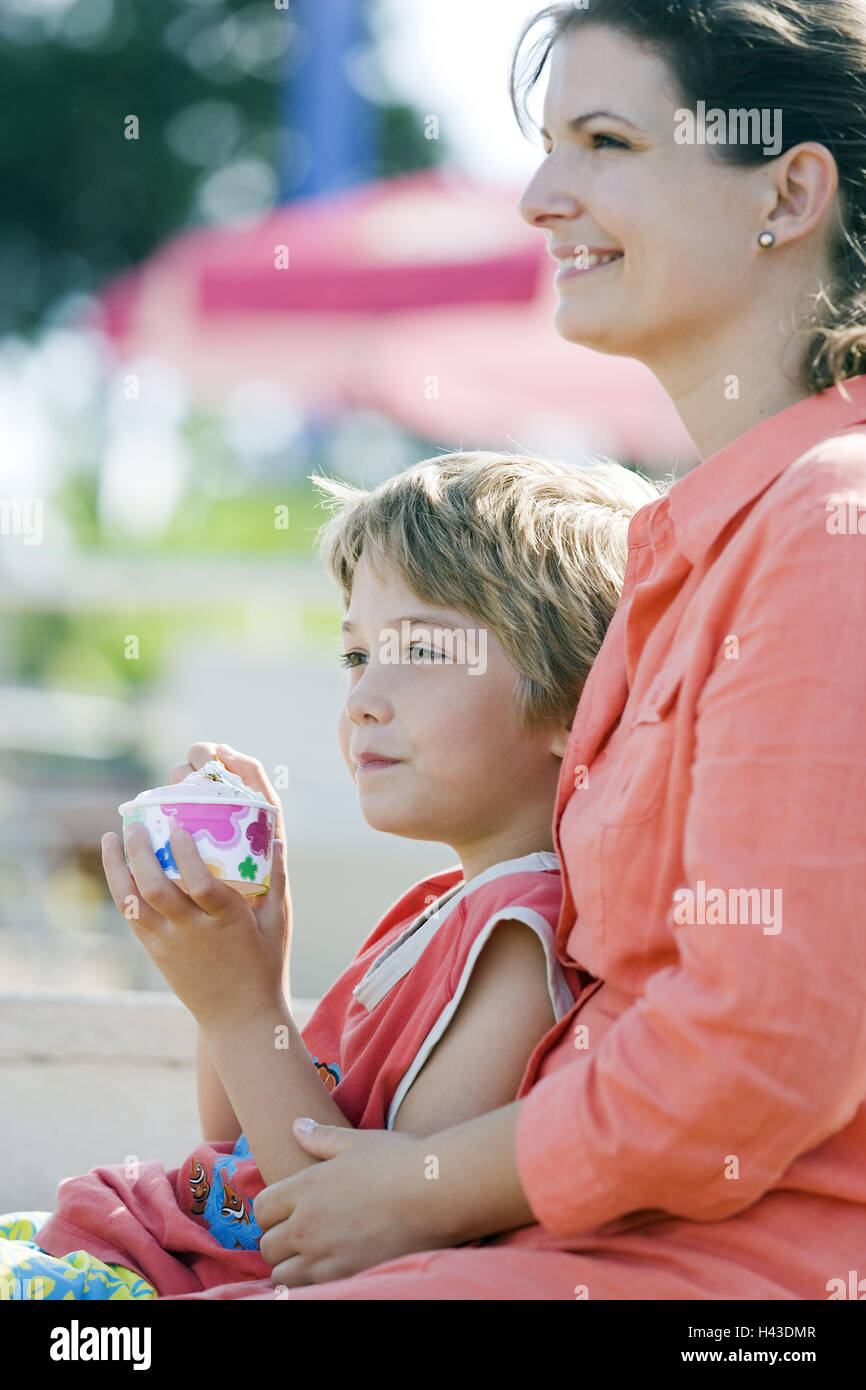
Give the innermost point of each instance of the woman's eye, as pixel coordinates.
(616, 143)
(346, 659)
(613, 142)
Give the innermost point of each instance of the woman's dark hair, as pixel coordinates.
(806, 58)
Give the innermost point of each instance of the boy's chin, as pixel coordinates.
(392, 822)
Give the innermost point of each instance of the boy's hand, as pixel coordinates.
(253, 773)
(221, 955)
(245, 767)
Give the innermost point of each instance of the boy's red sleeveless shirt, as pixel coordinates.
(373, 1030)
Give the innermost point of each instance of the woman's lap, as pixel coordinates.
(636, 1266)
(488, 1274)
(431, 1274)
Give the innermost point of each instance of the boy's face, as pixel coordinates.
(436, 697)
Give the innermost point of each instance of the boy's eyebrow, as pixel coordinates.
(576, 124)
(407, 618)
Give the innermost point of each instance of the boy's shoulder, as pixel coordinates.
(533, 882)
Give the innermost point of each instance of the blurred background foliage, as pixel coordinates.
(206, 79)
(159, 508)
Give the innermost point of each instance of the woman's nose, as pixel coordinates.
(544, 199)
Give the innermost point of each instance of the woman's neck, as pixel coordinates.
(723, 388)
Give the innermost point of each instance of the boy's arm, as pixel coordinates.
(270, 1080)
(215, 1110)
(478, 1064)
(476, 1067)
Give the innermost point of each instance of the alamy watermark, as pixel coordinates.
(846, 515)
(734, 906)
(22, 516)
(460, 646)
(743, 126)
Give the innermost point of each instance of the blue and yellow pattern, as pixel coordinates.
(26, 1272)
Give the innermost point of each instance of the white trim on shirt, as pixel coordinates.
(560, 995)
(398, 958)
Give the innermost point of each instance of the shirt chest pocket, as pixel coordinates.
(643, 753)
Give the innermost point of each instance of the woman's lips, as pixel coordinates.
(377, 763)
(567, 272)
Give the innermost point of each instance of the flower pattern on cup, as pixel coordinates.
(166, 858)
(248, 868)
(259, 834)
(218, 822)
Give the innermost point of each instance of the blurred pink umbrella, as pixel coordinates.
(423, 296)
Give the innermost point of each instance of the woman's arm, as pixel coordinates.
(479, 1191)
(382, 1194)
(749, 1050)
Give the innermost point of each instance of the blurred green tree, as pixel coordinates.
(204, 80)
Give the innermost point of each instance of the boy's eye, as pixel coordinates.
(434, 655)
(427, 656)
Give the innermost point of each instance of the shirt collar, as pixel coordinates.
(704, 501)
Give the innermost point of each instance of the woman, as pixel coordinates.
(695, 1127)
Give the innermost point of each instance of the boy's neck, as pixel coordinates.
(475, 861)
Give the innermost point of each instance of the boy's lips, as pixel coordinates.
(367, 760)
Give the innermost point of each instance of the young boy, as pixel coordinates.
(478, 588)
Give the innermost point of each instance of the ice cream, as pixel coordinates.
(232, 825)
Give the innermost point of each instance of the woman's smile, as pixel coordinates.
(571, 272)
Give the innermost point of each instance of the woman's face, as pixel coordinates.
(686, 224)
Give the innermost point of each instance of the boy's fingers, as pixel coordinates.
(253, 773)
(153, 884)
(272, 1206)
(249, 769)
(122, 886)
(203, 887)
(180, 772)
(202, 753)
(270, 906)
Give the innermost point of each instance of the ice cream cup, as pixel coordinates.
(233, 826)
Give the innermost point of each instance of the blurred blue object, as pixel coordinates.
(321, 104)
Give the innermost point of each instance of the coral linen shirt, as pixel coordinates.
(714, 1065)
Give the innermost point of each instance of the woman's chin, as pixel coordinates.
(572, 326)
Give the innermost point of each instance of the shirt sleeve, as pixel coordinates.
(750, 1050)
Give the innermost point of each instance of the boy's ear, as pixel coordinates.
(560, 740)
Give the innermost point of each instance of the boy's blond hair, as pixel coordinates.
(531, 547)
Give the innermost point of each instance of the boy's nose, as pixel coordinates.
(367, 700)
